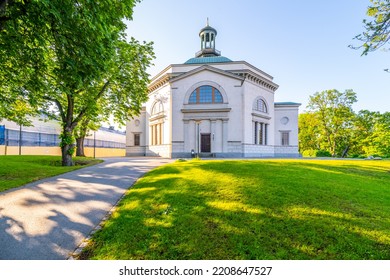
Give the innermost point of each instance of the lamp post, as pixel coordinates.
(20, 139)
(94, 144)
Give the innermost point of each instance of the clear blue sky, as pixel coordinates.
(303, 44)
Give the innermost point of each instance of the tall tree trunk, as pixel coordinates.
(333, 148)
(67, 146)
(66, 157)
(80, 146)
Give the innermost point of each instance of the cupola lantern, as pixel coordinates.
(207, 42)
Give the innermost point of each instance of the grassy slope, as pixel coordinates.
(16, 171)
(271, 209)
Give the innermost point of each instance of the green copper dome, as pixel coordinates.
(206, 60)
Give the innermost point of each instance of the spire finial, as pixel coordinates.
(207, 21)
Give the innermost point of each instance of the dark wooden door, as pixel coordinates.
(205, 143)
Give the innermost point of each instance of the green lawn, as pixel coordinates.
(16, 171)
(263, 209)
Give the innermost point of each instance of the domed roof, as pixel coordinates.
(208, 28)
(207, 59)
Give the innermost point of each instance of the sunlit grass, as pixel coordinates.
(253, 209)
(16, 171)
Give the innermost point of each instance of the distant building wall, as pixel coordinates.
(28, 150)
(43, 139)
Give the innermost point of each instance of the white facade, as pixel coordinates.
(215, 107)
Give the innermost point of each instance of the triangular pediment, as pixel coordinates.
(206, 68)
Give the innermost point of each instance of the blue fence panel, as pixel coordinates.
(2, 134)
(11, 138)
(103, 144)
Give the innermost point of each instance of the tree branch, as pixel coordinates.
(84, 110)
(59, 106)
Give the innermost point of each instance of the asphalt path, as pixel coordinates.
(48, 219)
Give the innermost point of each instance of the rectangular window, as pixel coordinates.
(255, 133)
(156, 134)
(265, 134)
(161, 135)
(261, 132)
(136, 139)
(152, 135)
(285, 138)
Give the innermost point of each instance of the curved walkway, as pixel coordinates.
(48, 219)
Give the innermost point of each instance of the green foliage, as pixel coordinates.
(82, 130)
(74, 57)
(17, 111)
(67, 139)
(333, 127)
(380, 137)
(254, 209)
(84, 126)
(310, 137)
(372, 133)
(308, 153)
(333, 112)
(377, 31)
(322, 153)
(316, 153)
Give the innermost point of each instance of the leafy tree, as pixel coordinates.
(379, 140)
(365, 133)
(11, 8)
(16, 109)
(371, 134)
(364, 123)
(309, 133)
(82, 131)
(72, 56)
(23, 50)
(335, 118)
(377, 31)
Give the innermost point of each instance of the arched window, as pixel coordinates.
(205, 94)
(260, 106)
(157, 108)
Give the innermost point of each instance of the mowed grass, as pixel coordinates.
(16, 171)
(252, 209)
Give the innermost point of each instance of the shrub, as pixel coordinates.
(316, 153)
(323, 153)
(309, 153)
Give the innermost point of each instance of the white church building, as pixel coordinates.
(213, 106)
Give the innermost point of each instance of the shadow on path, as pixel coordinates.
(48, 219)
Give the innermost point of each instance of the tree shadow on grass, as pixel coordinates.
(173, 215)
(346, 210)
